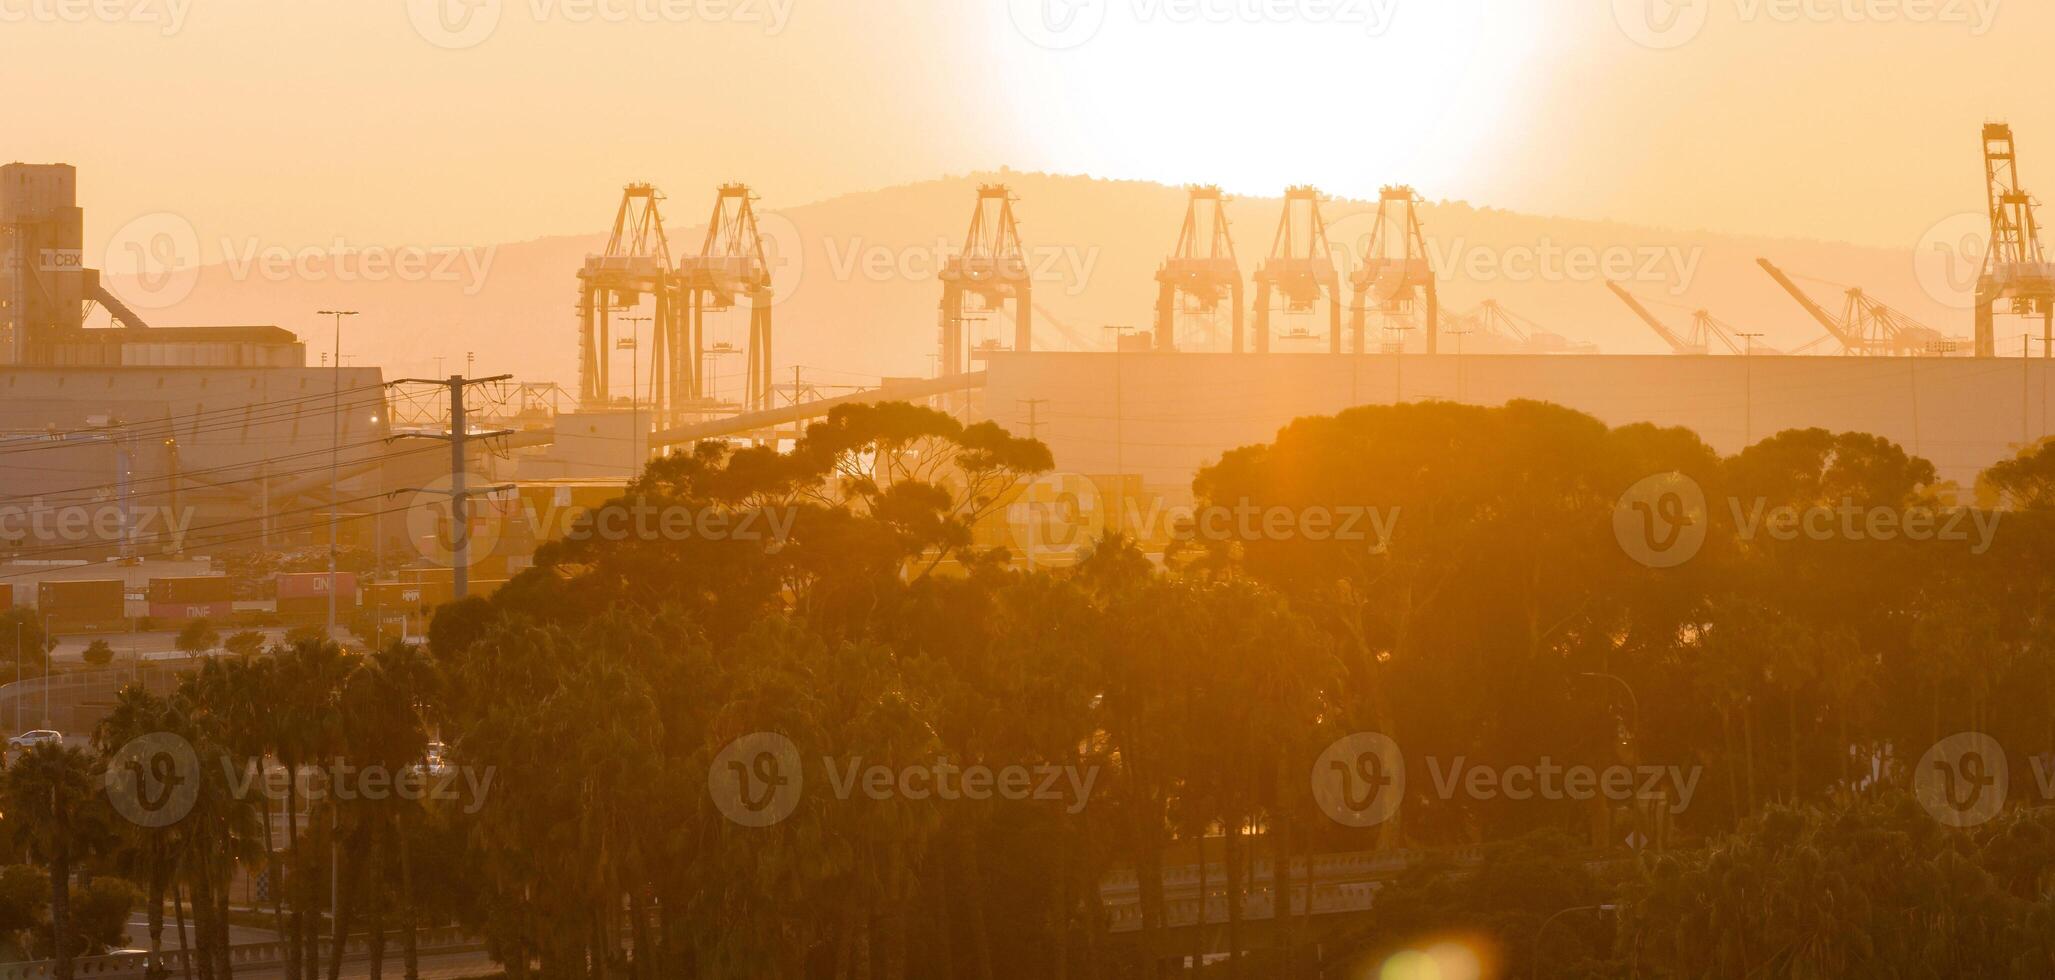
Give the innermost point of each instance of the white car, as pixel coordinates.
(29, 740)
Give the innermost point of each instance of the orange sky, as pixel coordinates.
(302, 121)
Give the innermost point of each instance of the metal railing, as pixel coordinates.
(448, 939)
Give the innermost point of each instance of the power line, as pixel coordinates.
(245, 407)
(209, 544)
(190, 474)
(252, 414)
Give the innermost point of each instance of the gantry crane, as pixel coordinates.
(636, 263)
(1705, 328)
(731, 266)
(2015, 269)
(1524, 335)
(1395, 278)
(1866, 325)
(1300, 267)
(1202, 271)
(993, 267)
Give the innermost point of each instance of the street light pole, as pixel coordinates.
(634, 343)
(1459, 335)
(334, 455)
(1543, 928)
(1119, 431)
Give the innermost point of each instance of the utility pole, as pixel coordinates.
(334, 455)
(1748, 387)
(1459, 335)
(459, 492)
(1398, 362)
(1034, 422)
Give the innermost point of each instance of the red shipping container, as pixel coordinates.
(95, 600)
(191, 610)
(6, 595)
(192, 590)
(311, 585)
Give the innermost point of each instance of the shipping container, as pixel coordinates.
(314, 585)
(184, 611)
(94, 599)
(429, 573)
(192, 590)
(83, 605)
(393, 597)
(6, 596)
(313, 608)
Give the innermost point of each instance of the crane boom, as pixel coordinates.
(1834, 327)
(1677, 344)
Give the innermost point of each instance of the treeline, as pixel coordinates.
(1529, 603)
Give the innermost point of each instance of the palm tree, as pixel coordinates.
(54, 812)
(408, 683)
(382, 729)
(136, 713)
(303, 728)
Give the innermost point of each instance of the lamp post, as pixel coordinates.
(1120, 331)
(633, 345)
(1542, 930)
(1633, 702)
(334, 453)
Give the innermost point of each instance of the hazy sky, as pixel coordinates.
(445, 122)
